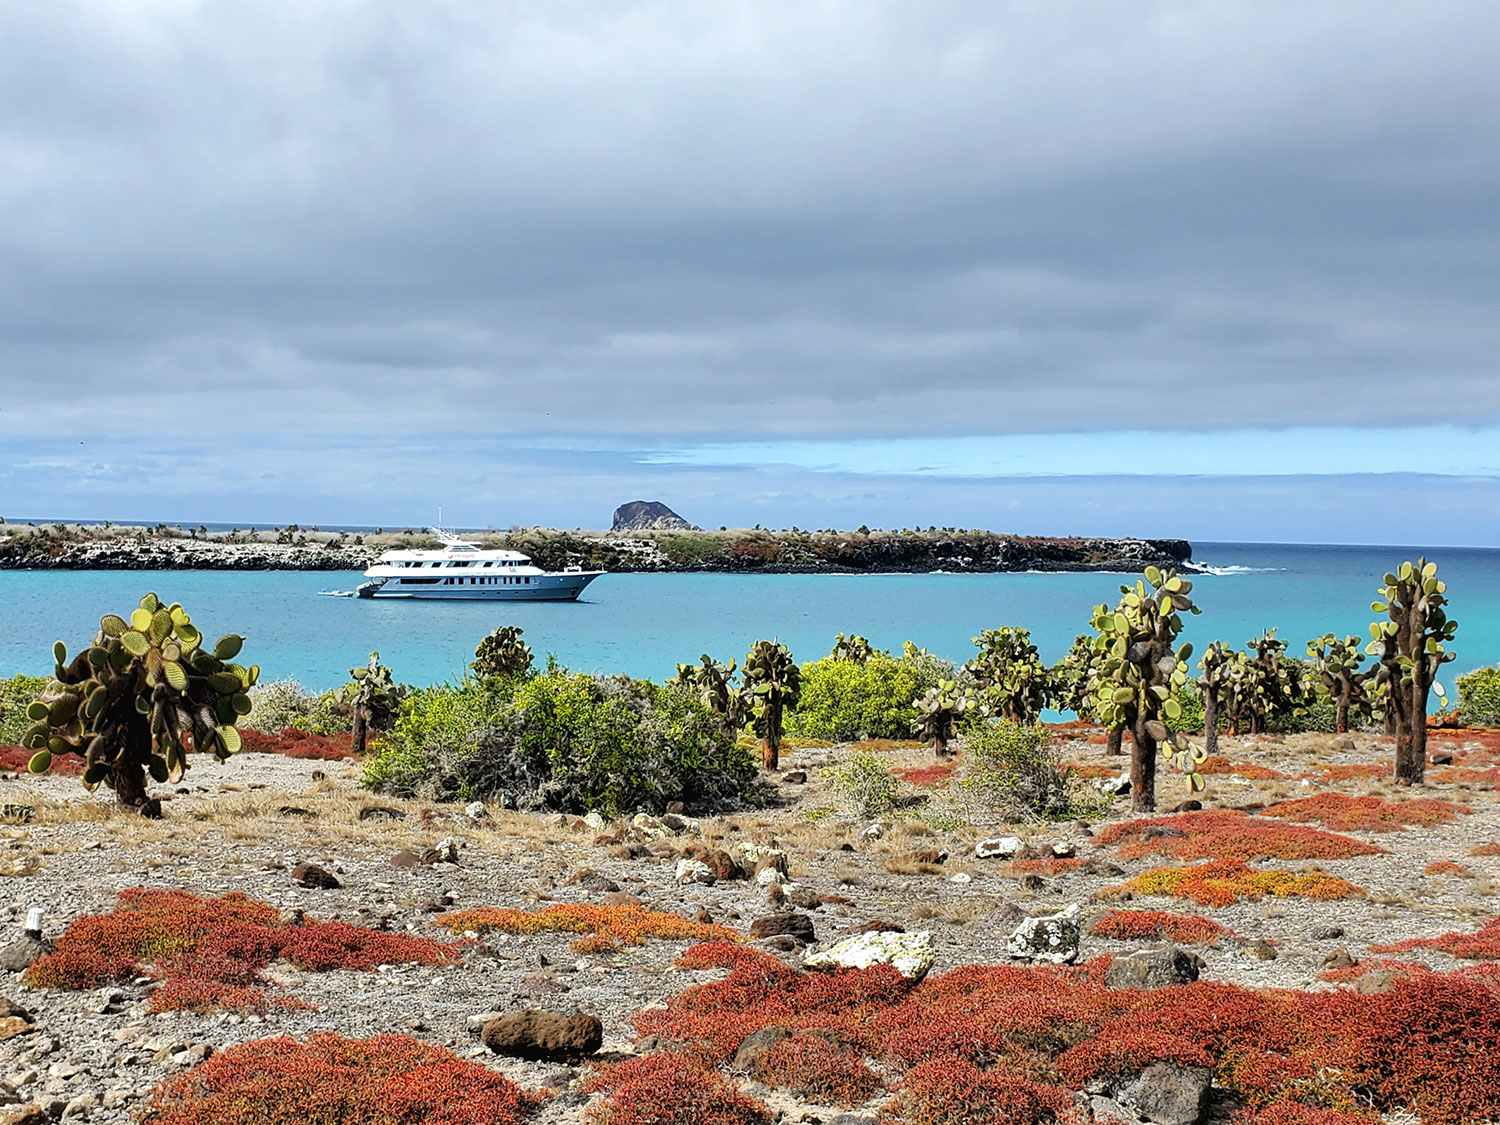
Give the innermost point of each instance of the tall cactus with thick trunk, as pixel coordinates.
(938, 714)
(139, 700)
(1010, 674)
(1217, 664)
(1337, 665)
(773, 683)
(1268, 684)
(1411, 647)
(1139, 675)
(374, 698)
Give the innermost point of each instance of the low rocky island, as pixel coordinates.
(794, 551)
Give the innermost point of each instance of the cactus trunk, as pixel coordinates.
(1113, 743)
(1143, 773)
(1210, 720)
(1341, 722)
(361, 733)
(1411, 734)
(770, 746)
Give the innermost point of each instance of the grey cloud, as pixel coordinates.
(676, 221)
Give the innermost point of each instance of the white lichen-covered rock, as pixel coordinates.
(1053, 938)
(910, 954)
(770, 876)
(873, 832)
(649, 827)
(595, 821)
(1001, 847)
(757, 857)
(475, 810)
(694, 871)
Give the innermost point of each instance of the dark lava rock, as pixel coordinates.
(1153, 968)
(796, 926)
(18, 955)
(755, 1047)
(1166, 1093)
(795, 777)
(311, 875)
(544, 1036)
(297, 811)
(1260, 949)
(1328, 933)
(381, 812)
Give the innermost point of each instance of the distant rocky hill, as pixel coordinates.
(649, 515)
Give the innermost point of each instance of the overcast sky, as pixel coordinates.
(1211, 269)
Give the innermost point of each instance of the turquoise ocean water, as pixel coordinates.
(643, 624)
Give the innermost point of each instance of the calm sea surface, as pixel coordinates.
(643, 624)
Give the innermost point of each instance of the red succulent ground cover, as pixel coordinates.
(925, 777)
(1491, 847)
(996, 1044)
(602, 927)
(817, 1069)
(13, 759)
(1344, 813)
(294, 743)
(210, 952)
(1351, 771)
(1049, 865)
(1158, 925)
(670, 1089)
(1219, 766)
(1224, 882)
(386, 1080)
(1481, 945)
(1227, 834)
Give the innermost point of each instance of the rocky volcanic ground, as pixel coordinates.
(244, 825)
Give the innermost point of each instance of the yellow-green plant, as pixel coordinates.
(1139, 675)
(1411, 646)
(141, 698)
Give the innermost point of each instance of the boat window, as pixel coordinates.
(418, 581)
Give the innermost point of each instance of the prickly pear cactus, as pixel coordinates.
(1139, 675)
(1073, 676)
(938, 714)
(1411, 645)
(502, 654)
(1013, 681)
(713, 683)
(140, 699)
(1267, 685)
(374, 698)
(773, 684)
(1336, 663)
(1215, 684)
(853, 648)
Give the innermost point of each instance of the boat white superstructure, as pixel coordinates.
(460, 569)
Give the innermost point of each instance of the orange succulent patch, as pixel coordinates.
(1481, 945)
(1227, 834)
(926, 777)
(602, 927)
(1161, 925)
(210, 951)
(1227, 881)
(1447, 867)
(1218, 766)
(1344, 813)
(386, 1080)
(1491, 847)
(1352, 771)
(817, 1070)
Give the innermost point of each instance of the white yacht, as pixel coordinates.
(460, 569)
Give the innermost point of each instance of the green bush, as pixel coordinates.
(329, 713)
(565, 742)
(16, 695)
(276, 705)
(1479, 697)
(842, 700)
(1190, 699)
(434, 724)
(1014, 773)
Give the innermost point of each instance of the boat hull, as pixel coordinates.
(563, 587)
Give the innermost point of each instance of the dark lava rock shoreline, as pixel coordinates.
(762, 552)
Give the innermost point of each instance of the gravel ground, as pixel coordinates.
(94, 1055)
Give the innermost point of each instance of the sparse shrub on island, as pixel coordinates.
(276, 705)
(139, 699)
(865, 785)
(384, 1080)
(1013, 772)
